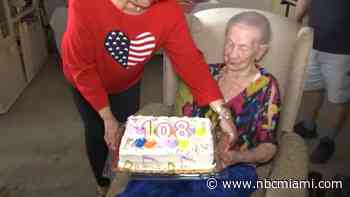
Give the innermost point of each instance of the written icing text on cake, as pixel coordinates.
(181, 129)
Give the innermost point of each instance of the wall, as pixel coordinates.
(50, 6)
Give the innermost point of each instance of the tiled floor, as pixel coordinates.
(340, 161)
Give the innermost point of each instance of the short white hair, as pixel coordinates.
(254, 19)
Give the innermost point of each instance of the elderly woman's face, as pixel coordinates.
(241, 46)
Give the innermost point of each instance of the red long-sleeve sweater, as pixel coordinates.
(104, 50)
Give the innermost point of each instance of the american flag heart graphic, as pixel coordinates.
(129, 52)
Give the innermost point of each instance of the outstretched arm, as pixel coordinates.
(190, 65)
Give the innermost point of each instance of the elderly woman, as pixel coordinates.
(252, 95)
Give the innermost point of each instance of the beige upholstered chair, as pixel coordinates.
(286, 59)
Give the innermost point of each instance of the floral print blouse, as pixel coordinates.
(256, 110)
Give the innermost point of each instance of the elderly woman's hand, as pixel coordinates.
(227, 126)
(228, 158)
(229, 129)
(226, 120)
(224, 156)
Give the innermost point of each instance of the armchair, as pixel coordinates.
(286, 59)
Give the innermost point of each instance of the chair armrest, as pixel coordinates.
(290, 163)
(296, 77)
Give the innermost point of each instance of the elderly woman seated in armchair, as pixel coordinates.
(252, 96)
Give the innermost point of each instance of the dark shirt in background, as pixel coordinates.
(331, 22)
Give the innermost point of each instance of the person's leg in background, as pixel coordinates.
(337, 119)
(337, 77)
(122, 105)
(307, 128)
(96, 148)
(314, 92)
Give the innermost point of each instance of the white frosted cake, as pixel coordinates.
(169, 145)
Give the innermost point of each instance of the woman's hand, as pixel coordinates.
(229, 130)
(223, 155)
(228, 158)
(113, 133)
(226, 120)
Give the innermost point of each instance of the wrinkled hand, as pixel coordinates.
(227, 158)
(228, 129)
(223, 152)
(113, 133)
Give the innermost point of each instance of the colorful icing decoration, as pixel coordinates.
(140, 142)
(192, 130)
(128, 164)
(171, 143)
(184, 158)
(128, 143)
(182, 134)
(147, 159)
(139, 130)
(200, 132)
(171, 166)
(148, 127)
(172, 132)
(195, 148)
(183, 144)
(163, 129)
(205, 146)
(150, 144)
(182, 129)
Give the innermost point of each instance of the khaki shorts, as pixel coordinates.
(331, 72)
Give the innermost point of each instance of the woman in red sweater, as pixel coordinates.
(104, 50)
